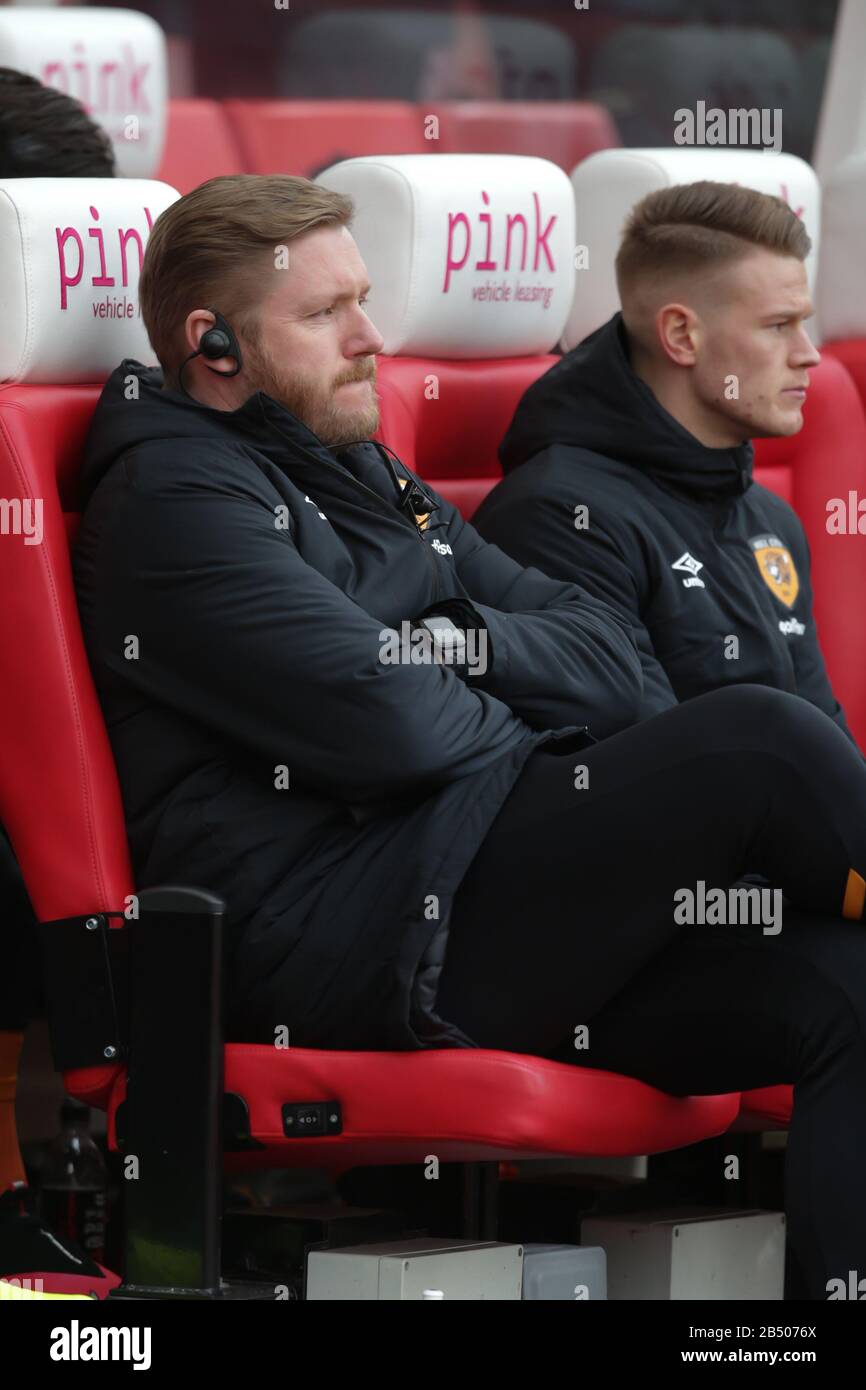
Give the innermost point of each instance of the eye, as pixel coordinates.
(783, 323)
(363, 299)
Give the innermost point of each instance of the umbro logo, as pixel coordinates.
(691, 566)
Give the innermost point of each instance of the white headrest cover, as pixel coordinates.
(112, 61)
(468, 255)
(607, 186)
(842, 268)
(70, 253)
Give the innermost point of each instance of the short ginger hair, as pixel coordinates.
(215, 247)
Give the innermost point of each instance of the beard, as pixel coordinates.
(315, 404)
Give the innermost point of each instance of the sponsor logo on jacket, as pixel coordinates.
(691, 566)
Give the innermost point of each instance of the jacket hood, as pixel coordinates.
(592, 399)
(125, 418)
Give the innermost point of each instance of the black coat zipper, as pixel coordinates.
(345, 474)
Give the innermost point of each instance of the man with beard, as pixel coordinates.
(420, 849)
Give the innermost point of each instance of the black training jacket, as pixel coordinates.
(235, 579)
(605, 488)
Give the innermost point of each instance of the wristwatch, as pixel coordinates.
(449, 640)
(459, 633)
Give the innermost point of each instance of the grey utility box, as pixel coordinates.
(714, 1254)
(427, 1267)
(564, 1272)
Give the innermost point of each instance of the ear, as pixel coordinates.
(195, 326)
(678, 332)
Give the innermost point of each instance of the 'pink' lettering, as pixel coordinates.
(70, 277)
(456, 260)
(542, 240)
(67, 280)
(450, 263)
(101, 87)
(102, 278)
(486, 264)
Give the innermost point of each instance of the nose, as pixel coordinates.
(365, 340)
(805, 352)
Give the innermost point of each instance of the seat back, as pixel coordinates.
(841, 289)
(826, 461)
(471, 267)
(112, 61)
(59, 795)
(454, 449)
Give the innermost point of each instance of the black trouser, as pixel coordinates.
(566, 917)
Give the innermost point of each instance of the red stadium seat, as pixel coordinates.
(562, 131)
(767, 1107)
(851, 352)
(453, 449)
(827, 459)
(200, 144)
(302, 137)
(60, 801)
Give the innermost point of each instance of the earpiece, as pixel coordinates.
(218, 341)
